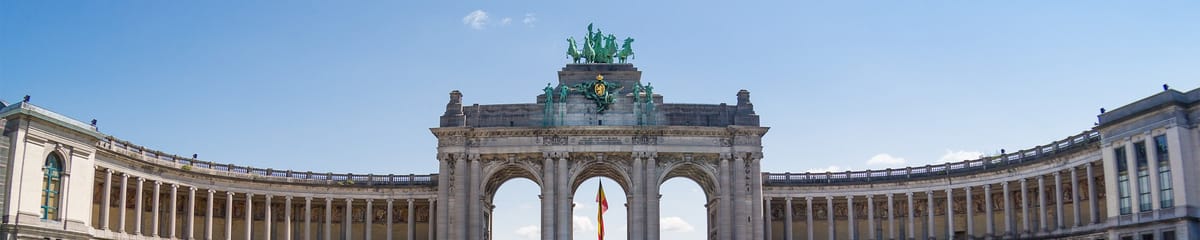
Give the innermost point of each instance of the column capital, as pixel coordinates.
(211, 191)
(1041, 177)
(249, 194)
(269, 196)
(1023, 180)
(157, 183)
(328, 199)
(124, 175)
(1057, 173)
(987, 187)
(829, 198)
(288, 197)
(308, 199)
(432, 200)
(928, 192)
(849, 197)
(174, 186)
(389, 200)
(369, 200)
(909, 194)
(192, 189)
(349, 200)
(949, 190)
(141, 180)
(109, 170)
(411, 200)
(789, 199)
(228, 193)
(870, 196)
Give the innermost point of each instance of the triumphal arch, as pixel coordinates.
(599, 120)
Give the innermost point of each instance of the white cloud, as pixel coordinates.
(505, 21)
(582, 223)
(675, 224)
(476, 19)
(959, 155)
(529, 19)
(826, 169)
(884, 159)
(531, 232)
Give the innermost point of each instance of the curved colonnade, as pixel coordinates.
(1043, 192)
(223, 201)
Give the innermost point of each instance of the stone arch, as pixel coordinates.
(614, 170)
(497, 174)
(702, 174)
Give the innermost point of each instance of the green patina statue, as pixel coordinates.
(599, 48)
(600, 92)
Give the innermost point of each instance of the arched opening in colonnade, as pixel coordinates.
(584, 213)
(685, 188)
(512, 194)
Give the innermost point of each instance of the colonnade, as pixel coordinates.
(297, 221)
(941, 211)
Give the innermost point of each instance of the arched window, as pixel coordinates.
(51, 186)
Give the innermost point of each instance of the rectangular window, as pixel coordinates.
(1165, 195)
(1124, 201)
(1168, 235)
(1143, 176)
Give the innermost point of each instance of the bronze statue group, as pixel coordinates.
(598, 48)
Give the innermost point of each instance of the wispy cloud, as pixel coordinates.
(675, 224)
(505, 21)
(831, 168)
(884, 159)
(529, 19)
(531, 232)
(476, 19)
(583, 224)
(959, 155)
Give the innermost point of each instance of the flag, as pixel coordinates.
(603, 206)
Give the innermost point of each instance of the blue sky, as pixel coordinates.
(354, 86)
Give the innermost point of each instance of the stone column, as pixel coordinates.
(912, 218)
(741, 208)
(432, 217)
(208, 215)
(949, 213)
(929, 214)
(476, 201)
(652, 197)
(564, 202)
(1025, 207)
(1041, 188)
(990, 230)
(547, 197)
(308, 218)
(369, 218)
(124, 202)
(1008, 211)
(767, 214)
(328, 218)
(787, 218)
(891, 210)
(443, 210)
(871, 217)
(348, 221)
(637, 214)
(970, 212)
(267, 219)
(104, 209)
(1074, 178)
(157, 214)
(1092, 208)
(191, 213)
(850, 217)
(756, 207)
(808, 207)
(1058, 203)
(388, 226)
(174, 209)
(726, 202)
(832, 221)
(228, 215)
(249, 215)
(287, 218)
(137, 208)
(412, 226)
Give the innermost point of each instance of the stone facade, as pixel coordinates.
(1133, 175)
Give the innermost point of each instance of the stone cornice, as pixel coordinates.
(599, 131)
